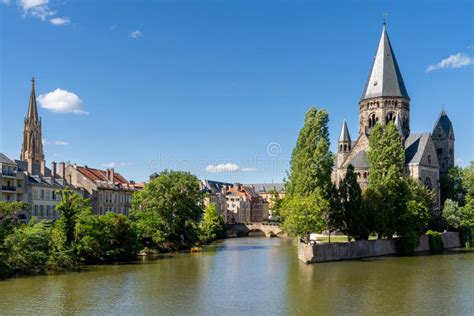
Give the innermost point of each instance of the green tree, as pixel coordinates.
(304, 215)
(213, 226)
(27, 248)
(169, 209)
(452, 185)
(311, 161)
(8, 218)
(110, 237)
(354, 216)
(387, 188)
(452, 213)
(306, 204)
(276, 204)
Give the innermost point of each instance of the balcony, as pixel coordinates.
(7, 173)
(10, 188)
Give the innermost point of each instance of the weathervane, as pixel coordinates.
(384, 18)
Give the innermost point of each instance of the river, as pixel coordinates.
(252, 276)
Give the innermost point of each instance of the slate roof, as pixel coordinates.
(344, 137)
(214, 186)
(445, 123)
(415, 146)
(267, 187)
(360, 160)
(385, 79)
(4, 159)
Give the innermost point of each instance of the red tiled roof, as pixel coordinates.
(101, 175)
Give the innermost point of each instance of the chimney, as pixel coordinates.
(30, 166)
(62, 170)
(53, 169)
(112, 174)
(43, 168)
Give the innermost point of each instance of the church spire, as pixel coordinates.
(32, 148)
(385, 79)
(344, 137)
(32, 109)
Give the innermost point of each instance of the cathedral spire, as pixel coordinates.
(32, 109)
(385, 79)
(32, 148)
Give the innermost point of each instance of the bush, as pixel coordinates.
(465, 234)
(27, 249)
(435, 240)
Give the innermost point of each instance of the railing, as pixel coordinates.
(8, 188)
(9, 173)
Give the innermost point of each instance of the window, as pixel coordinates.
(372, 120)
(428, 183)
(440, 151)
(42, 194)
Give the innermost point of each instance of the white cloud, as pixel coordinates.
(61, 101)
(55, 142)
(37, 8)
(454, 61)
(227, 167)
(60, 21)
(115, 164)
(135, 34)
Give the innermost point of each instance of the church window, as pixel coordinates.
(440, 151)
(429, 159)
(365, 175)
(390, 117)
(345, 147)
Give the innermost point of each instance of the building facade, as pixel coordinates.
(385, 99)
(107, 190)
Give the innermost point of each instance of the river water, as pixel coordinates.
(252, 276)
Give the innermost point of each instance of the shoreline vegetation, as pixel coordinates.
(169, 214)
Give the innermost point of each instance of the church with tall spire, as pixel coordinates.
(385, 99)
(32, 148)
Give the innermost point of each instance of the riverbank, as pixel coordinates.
(315, 253)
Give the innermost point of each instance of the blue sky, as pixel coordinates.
(220, 85)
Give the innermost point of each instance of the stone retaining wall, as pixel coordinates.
(365, 248)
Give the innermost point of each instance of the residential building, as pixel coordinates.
(267, 191)
(107, 190)
(12, 181)
(216, 193)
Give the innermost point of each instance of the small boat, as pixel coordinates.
(196, 249)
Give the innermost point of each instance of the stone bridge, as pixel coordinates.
(243, 229)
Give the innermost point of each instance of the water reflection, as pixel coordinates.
(251, 276)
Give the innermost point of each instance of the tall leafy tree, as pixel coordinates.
(170, 208)
(354, 216)
(309, 181)
(387, 188)
(311, 161)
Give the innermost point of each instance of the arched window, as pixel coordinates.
(390, 117)
(345, 147)
(373, 119)
(340, 147)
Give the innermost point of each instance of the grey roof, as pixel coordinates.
(360, 160)
(6, 160)
(344, 137)
(385, 79)
(415, 146)
(267, 187)
(214, 186)
(445, 123)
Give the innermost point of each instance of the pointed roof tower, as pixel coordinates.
(444, 123)
(32, 109)
(398, 124)
(385, 79)
(344, 137)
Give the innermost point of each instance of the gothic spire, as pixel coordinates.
(32, 110)
(385, 79)
(344, 137)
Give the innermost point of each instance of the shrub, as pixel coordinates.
(435, 240)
